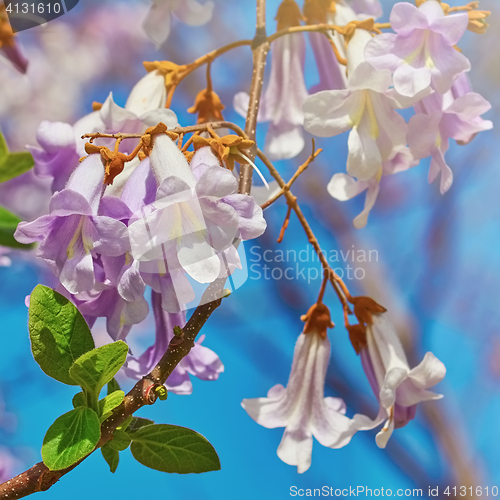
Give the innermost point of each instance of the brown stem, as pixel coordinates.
(260, 47)
(292, 202)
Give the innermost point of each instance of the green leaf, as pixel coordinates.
(113, 386)
(169, 448)
(59, 334)
(120, 441)
(111, 456)
(15, 164)
(94, 369)
(8, 226)
(138, 423)
(109, 403)
(79, 399)
(4, 149)
(70, 438)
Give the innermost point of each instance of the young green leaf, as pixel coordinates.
(79, 399)
(137, 423)
(59, 334)
(8, 226)
(169, 448)
(15, 164)
(109, 403)
(70, 438)
(111, 456)
(94, 369)
(120, 441)
(113, 386)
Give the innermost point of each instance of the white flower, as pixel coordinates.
(190, 12)
(398, 387)
(301, 407)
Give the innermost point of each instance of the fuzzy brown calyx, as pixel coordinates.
(317, 319)
(168, 69)
(6, 33)
(365, 307)
(114, 161)
(357, 336)
(288, 15)
(228, 149)
(208, 106)
(315, 12)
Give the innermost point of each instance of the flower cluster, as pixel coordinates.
(163, 223)
(417, 66)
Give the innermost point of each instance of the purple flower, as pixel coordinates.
(440, 118)
(62, 145)
(301, 407)
(201, 362)
(331, 74)
(72, 234)
(191, 228)
(397, 387)
(367, 8)
(422, 52)
(9, 465)
(367, 107)
(282, 101)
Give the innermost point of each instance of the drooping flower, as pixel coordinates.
(201, 362)
(456, 115)
(422, 52)
(397, 387)
(191, 228)
(343, 187)
(73, 233)
(301, 407)
(281, 102)
(190, 12)
(62, 145)
(331, 74)
(368, 107)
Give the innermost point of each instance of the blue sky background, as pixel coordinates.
(437, 273)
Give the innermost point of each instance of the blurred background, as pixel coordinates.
(435, 265)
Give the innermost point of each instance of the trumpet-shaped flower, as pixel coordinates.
(440, 118)
(61, 144)
(398, 387)
(301, 407)
(72, 234)
(422, 52)
(192, 227)
(190, 12)
(367, 107)
(201, 362)
(282, 101)
(343, 187)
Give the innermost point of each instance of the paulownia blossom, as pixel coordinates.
(367, 8)
(397, 387)
(343, 187)
(422, 51)
(281, 102)
(190, 12)
(191, 228)
(455, 115)
(301, 407)
(368, 107)
(201, 362)
(73, 233)
(62, 145)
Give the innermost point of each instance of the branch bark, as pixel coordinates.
(260, 47)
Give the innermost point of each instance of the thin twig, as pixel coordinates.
(299, 171)
(260, 47)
